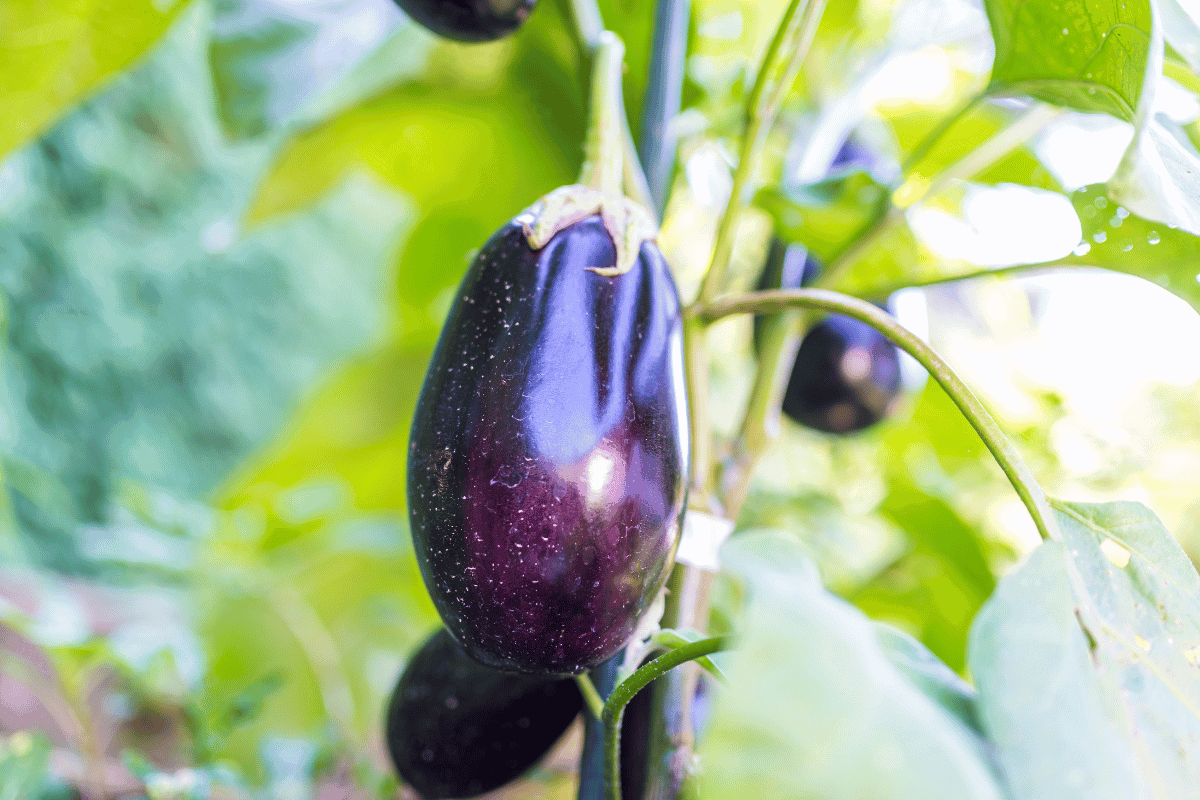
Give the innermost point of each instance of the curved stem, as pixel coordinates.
(614, 709)
(603, 166)
(1010, 461)
(664, 91)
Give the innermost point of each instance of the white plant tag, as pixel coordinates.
(703, 535)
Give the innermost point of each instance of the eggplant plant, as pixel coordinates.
(576, 347)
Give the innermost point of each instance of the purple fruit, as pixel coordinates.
(469, 20)
(457, 729)
(846, 377)
(549, 450)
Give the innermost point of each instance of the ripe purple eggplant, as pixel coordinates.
(458, 729)
(469, 20)
(549, 450)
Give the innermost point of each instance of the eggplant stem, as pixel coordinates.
(604, 162)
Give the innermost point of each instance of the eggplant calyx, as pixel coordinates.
(627, 222)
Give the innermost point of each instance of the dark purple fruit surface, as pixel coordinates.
(469, 20)
(846, 377)
(549, 451)
(458, 729)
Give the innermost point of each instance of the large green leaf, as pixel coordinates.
(272, 62)
(940, 581)
(55, 53)
(1086, 660)
(1091, 56)
(1159, 177)
(148, 340)
(1118, 240)
(1181, 29)
(817, 707)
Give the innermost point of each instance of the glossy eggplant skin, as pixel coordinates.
(458, 729)
(845, 378)
(469, 20)
(549, 451)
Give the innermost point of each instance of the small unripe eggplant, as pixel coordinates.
(457, 729)
(469, 20)
(549, 450)
(846, 377)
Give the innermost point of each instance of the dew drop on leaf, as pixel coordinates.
(1153, 237)
(1099, 237)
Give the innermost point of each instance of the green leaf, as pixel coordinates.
(1127, 242)
(939, 583)
(672, 639)
(825, 216)
(1041, 701)
(148, 340)
(931, 675)
(273, 63)
(1086, 660)
(1159, 177)
(54, 53)
(816, 706)
(1181, 29)
(1089, 56)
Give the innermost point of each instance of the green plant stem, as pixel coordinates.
(664, 91)
(602, 679)
(795, 32)
(636, 185)
(614, 709)
(591, 36)
(591, 697)
(914, 191)
(603, 166)
(588, 23)
(672, 743)
(981, 420)
(695, 348)
(760, 422)
(672, 738)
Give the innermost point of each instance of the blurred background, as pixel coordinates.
(227, 243)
